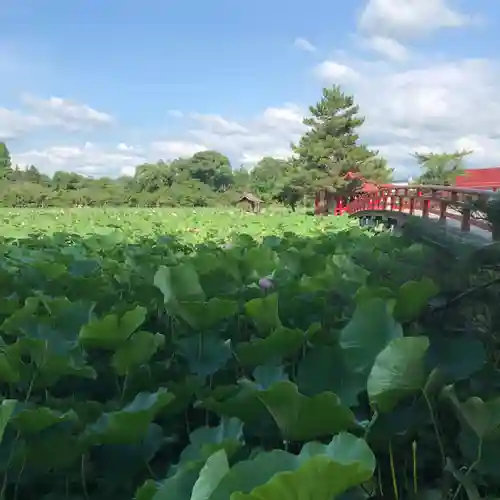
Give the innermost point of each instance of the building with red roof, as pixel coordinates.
(365, 186)
(480, 178)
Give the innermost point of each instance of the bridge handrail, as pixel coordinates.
(487, 192)
(423, 200)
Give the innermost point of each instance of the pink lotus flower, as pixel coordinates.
(265, 283)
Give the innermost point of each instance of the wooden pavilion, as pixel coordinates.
(250, 203)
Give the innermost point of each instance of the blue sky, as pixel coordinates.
(100, 86)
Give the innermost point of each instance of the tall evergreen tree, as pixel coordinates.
(331, 147)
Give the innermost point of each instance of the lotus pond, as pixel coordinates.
(210, 355)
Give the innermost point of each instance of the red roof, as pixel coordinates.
(367, 187)
(479, 178)
(353, 175)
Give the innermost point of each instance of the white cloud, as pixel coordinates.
(169, 150)
(14, 123)
(124, 147)
(175, 113)
(64, 112)
(436, 105)
(409, 18)
(53, 112)
(250, 159)
(219, 125)
(268, 134)
(387, 47)
(289, 114)
(334, 71)
(303, 44)
(86, 159)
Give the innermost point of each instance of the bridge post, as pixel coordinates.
(411, 210)
(443, 205)
(425, 208)
(465, 226)
(466, 213)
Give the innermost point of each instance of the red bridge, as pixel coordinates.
(459, 208)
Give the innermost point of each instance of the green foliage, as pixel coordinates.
(398, 372)
(5, 160)
(331, 147)
(441, 169)
(260, 357)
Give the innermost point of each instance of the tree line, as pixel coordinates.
(329, 149)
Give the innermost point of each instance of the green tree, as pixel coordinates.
(295, 185)
(151, 177)
(293, 191)
(5, 160)
(33, 175)
(441, 169)
(331, 146)
(211, 168)
(241, 178)
(267, 177)
(69, 181)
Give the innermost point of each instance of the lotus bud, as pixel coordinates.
(265, 283)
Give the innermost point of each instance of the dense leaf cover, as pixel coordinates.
(307, 359)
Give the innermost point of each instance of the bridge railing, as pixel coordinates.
(438, 202)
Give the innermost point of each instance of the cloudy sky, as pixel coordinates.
(99, 86)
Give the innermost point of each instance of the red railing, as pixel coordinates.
(436, 202)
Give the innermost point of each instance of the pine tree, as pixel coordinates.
(331, 147)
